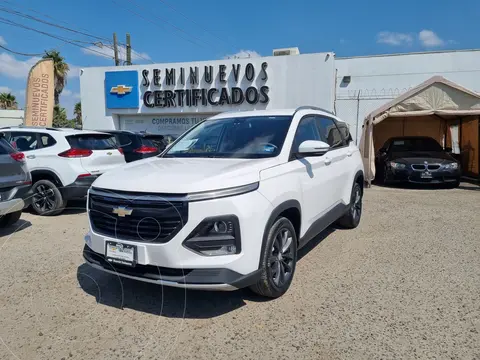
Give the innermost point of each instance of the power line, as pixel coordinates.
(66, 40)
(154, 23)
(193, 21)
(19, 53)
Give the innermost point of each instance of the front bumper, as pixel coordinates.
(227, 272)
(79, 188)
(415, 177)
(201, 279)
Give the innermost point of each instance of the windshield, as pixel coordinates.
(420, 144)
(239, 137)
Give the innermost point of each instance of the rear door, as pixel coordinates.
(104, 152)
(27, 143)
(13, 172)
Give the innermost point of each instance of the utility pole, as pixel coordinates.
(115, 49)
(129, 51)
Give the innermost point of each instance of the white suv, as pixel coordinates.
(229, 203)
(63, 162)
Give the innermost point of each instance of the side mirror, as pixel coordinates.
(313, 148)
(382, 151)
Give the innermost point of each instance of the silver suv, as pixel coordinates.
(15, 184)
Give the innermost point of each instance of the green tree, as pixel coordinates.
(8, 101)
(77, 111)
(60, 118)
(61, 69)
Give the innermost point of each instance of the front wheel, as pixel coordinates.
(47, 200)
(278, 260)
(352, 218)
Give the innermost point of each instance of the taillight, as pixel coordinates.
(83, 175)
(76, 153)
(146, 149)
(18, 156)
(121, 150)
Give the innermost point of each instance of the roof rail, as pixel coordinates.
(21, 126)
(308, 107)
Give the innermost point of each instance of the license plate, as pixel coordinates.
(426, 175)
(122, 254)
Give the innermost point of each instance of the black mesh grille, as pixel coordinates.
(152, 219)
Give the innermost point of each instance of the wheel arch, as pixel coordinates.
(44, 174)
(291, 209)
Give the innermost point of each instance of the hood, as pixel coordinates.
(183, 175)
(414, 157)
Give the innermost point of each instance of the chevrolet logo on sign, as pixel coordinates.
(121, 89)
(122, 211)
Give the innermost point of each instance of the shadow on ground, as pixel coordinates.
(17, 227)
(118, 292)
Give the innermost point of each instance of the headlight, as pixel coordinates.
(451, 166)
(396, 165)
(215, 236)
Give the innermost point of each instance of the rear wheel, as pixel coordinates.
(47, 200)
(352, 218)
(278, 260)
(9, 219)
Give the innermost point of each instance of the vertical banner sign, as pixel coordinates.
(39, 95)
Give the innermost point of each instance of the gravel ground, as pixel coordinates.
(404, 285)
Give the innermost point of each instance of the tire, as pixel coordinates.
(47, 200)
(277, 268)
(352, 217)
(9, 219)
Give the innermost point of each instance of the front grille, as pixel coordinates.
(153, 218)
(423, 167)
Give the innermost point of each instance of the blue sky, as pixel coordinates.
(188, 30)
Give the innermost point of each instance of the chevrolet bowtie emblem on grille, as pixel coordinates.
(121, 89)
(122, 211)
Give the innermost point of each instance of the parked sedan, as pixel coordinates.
(138, 145)
(416, 160)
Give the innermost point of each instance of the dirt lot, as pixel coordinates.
(405, 284)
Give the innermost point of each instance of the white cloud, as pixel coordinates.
(5, 89)
(70, 94)
(429, 39)
(242, 54)
(394, 38)
(12, 67)
(104, 51)
(3, 41)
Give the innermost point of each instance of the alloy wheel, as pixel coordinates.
(44, 198)
(282, 257)
(357, 203)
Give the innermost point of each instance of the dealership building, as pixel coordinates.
(170, 98)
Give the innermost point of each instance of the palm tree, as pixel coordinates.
(77, 111)
(8, 101)
(60, 72)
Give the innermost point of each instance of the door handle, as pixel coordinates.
(349, 153)
(30, 156)
(328, 161)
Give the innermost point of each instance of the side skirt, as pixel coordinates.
(322, 223)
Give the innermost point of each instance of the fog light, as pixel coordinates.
(215, 236)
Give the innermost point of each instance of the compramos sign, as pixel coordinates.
(163, 88)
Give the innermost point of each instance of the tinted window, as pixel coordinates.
(92, 142)
(22, 141)
(414, 144)
(5, 147)
(238, 137)
(123, 140)
(307, 130)
(156, 140)
(329, 132)
(46, 140)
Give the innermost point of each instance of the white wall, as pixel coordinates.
(377, 80)
(11, 117)
(292, 80)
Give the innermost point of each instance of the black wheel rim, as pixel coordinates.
(357, 204)
(281, 259)
(44, 198)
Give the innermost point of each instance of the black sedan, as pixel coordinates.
(415, 159)
(139, 145)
